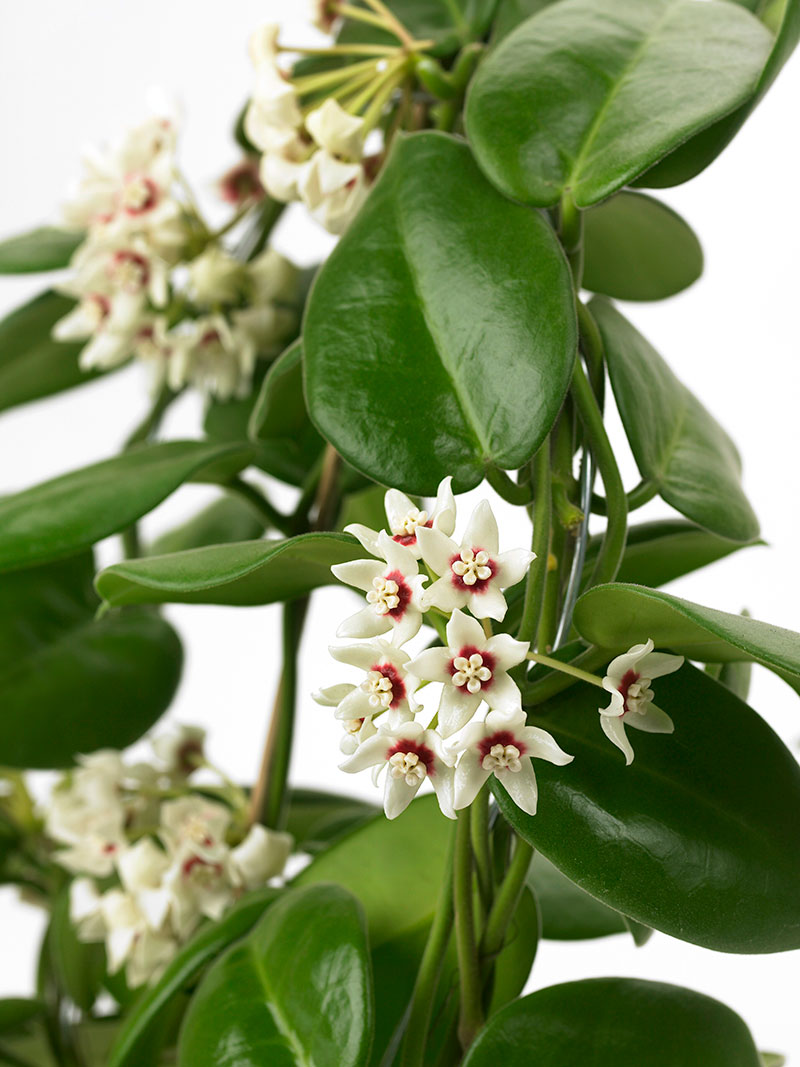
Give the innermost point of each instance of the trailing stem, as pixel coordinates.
(471, 1009)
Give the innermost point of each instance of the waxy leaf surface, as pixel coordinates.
(45, 248)
(584, 97)
(244, 574)
(316, 819)
(677, 444)
(698, 838)
(429, 350)
(608, 1022)
(569, 913)
(617, 616)
(296, 990)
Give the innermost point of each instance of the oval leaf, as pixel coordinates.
(636, 248)
(244, 574)
(67, 514)
(568, 913)
(584, 97)
(46, 248)
(676, 443)
(428, 350)
(297, 990)
(227, 519)
(607, 1022)
(316, 819)
(697, 838)
(615, 616)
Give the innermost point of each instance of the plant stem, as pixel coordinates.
(471, 1009)
(507, 488)
(310, 83)
(265, 509)
(481, 848)
(592, 348)
(430, 969)
(640, 495)
(342, 50)
(553, 684)
(358, 14)
(565, 668)
(391, 22)
(326, 504)
(506, 900)
(570, 231)
(540, 544)
(613, 546)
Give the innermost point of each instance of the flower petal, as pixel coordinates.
(506, 651)
(489, 603)
(444, 513)
(365, 623)
(513, 566)
(521, 786)
(652, 721)
(397, 795)
(372, 753)
(456, 708)
(503, 694)
(437, 549)
(359, 572)
(407, 627)
(543, 745)
(442, 782)
(463, 630)
(481, 531)
(331, 696)
(396, 555)
(397, 506)
(614, 729)
(469, 778)
(432, 665)
(443, 594)
(367, 537)
(656, 664)
(355, 705)
(628, 661)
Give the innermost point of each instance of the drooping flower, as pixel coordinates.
(131, 941)
(180, 750)
(628, 680)
(196, 823)
(472, 669)
(473, 573)
(240, 184)
(404, 518)
(209, 355)
(261, 856)
(505, 746)
(215, 277)
(393, 587)
(411, 755)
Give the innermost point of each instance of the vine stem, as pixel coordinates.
(266, 510)
(556, 683)
(481, 848)
(471, 1009)
(540, 544)
(565, 668)
(506, 900)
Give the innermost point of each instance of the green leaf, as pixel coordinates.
(608, 1022)
(615, 616)
(584, 97)
(448, 23)
(17, 1012)
(288, 444)
(316, 819)
(365, 506)
(244, 574)
(32, 364)
(736, 677)
(449, 357)
(697, 838)
(68, 683)
(676, 443)
(297, 990)
(46, 248)
(636, 248)
(568, 913)
(510, 13)
(661, 551)
(692, 157)
(78, 967)
(63, 516)
(142, 1031)
(228, 519)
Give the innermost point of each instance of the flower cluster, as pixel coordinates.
(154, 857)
(384, 723)
(204, 326)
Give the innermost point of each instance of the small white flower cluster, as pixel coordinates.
(316, 158)
(381, 716)
(153, 858)
(124, 277)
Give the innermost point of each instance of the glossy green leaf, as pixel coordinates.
(636, 248)
(68, 683)
(63, 516)
(78, 967)
(692, 157)
(584, 97)
(316, 819)
(46, 248)
(32, 364)
(569, 913)
(449, 356)
(611, 1022)
(660, 551)
(617, 616)
(228, 519)
(698, 838)
(288, 445)
(676, 443)
(140, 1036)
(17, 1012)
(297, 990)
(510, 13)
(243, 574)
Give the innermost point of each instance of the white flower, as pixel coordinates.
(473, 573)
(273, 278)
(215, 277)
(180, 750)
(387, 684)
(284, 162)
(404, 517)
(274, 101)
(195, 823)
(411, 755)
(261, 856)
(332, 189)
(356, 732)
(107, 266)
(199, 884)
(131, 940)
(85, 910)
(504, 746)
(207, 354)
(393, 591)
(142, 868)
(335, 130)
(109, 324)
(263, 327)
(472, 669)
(628, 681)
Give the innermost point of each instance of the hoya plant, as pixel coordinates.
(564, 750)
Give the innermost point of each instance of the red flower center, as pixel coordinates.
(480, 585)
(398, 686)
(425, 755)
(411, 539)
(489, 661)
(140, 196)
(624, 686)
(193, 862)
(132, 267)
(403, 593)
(501, 737)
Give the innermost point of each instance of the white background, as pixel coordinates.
(72, 74)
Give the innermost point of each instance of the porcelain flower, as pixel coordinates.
(404, 518)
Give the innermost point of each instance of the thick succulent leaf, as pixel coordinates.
(68, 683)
(607, 1022)
(228, 519)
(636, 248)
(17, 1012)
(296, 990)
(569, 913)
(32, 364)
(698, 838)
(316, 819)
(243, 574)
(677, 444)
(616, 616)
(510, 13)
(427, 350)
(584, 97)
(63, 516)
(140, 1037)
(692, 157)
(46, 248)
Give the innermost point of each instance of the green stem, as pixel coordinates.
(506, 901)
(507, 488)
(592, 347)
(312, 83)
(548, 620)
(266, 510)
(570, 232)
(537, 692)
(471, 1008)
(540, 544)
(481, 848)
(565, 668)
(613, 546)
(430, 969)
(640, 495)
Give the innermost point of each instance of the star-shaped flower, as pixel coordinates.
(387, 685)
(404, 518)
